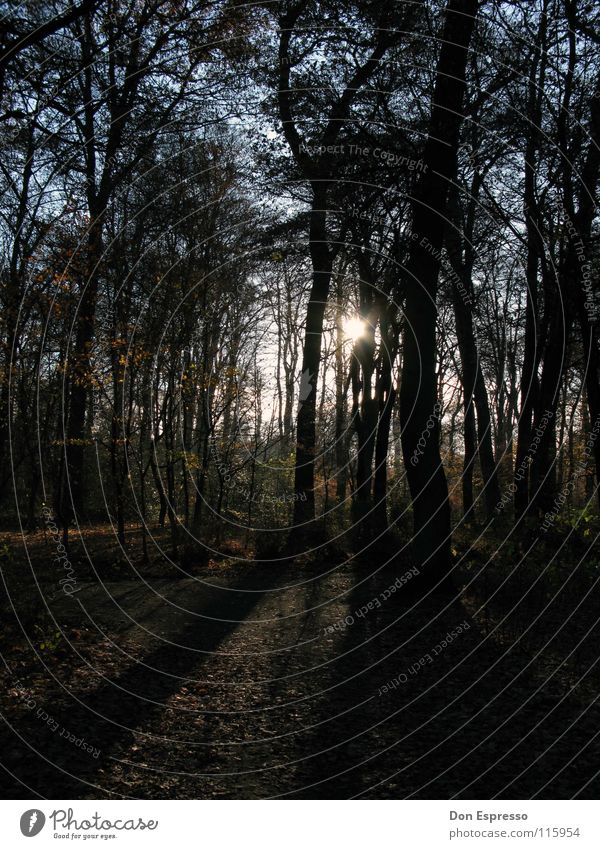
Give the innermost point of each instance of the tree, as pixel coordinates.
(418, 390)
(316, 161)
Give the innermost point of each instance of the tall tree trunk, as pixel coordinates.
(319, 172)
(470, 455)
(478, 432)
(79, 379)
(14, 290)
(543, 465)
(529, 377)
(587, 316)
(341, 454)
(418, 392)
(386, 399)
(364, 404)
(306, 440)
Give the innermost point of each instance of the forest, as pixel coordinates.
(299, 398)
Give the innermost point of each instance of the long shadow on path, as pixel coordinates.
(422, 714)
(108, 717)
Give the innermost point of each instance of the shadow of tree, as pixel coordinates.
(107, 718)
(423, 705)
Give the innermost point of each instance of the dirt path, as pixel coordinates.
(322, 689)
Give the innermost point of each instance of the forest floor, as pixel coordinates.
(248, 680)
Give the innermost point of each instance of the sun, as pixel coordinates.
(354, 328)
